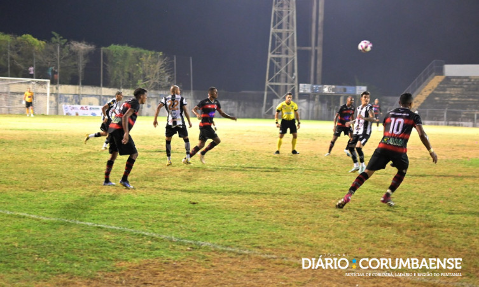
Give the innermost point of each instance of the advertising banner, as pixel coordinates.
(79, 110)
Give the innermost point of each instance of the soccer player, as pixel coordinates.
(28, 99)
(175, 105)
(377, 111)
(342, 124)
(208, 108)
(289, 114)
(109, 110)
(120, 140)
(362, 131)
(398, 125)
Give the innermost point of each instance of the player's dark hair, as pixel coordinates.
(364, 93)
(405, 99)
(211, 89)
(289, 94)
(139, 91)
(118, 93)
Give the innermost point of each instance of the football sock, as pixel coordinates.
(358, 182)
(195, 150)
(95, 135)
(209, 147)
(293, 143)
(361, 154)
(187, 147)
(353, 154)
(109, 166)
(331, 145)
(128, 167)
(397, 180)
(280, 141)
(168, 148)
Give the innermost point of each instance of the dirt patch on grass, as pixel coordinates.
(229, 270)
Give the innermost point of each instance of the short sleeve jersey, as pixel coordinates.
(398, 125)
(361, 126)
(345, 114)
(116, 123)
(174, 107)
(376, 109)
(287, 111)
(28, 96)
(208, 109)
(113, 109)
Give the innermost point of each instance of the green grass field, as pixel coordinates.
(246, 217)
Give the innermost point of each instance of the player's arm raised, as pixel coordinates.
(155, 121)
(225, 115)
(426, 143)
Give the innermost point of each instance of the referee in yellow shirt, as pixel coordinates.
(289, 111)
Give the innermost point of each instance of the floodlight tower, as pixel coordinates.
(282, 67)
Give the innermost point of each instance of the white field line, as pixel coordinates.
(149, 234)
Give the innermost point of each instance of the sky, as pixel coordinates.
(228, 39)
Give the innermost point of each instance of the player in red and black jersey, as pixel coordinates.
(398, 125)
(342, 125)
(377, 110)
(120, 140)
(208, 108)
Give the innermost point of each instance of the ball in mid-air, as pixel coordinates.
(365, 46)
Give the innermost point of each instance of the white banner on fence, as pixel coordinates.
(78, 110)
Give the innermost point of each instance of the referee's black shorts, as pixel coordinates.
(288, 124)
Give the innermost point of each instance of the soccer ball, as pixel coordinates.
(365, 46)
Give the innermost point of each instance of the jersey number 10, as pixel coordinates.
(396, 126)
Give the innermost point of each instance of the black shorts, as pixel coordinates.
(116, 145)
(342, 129)
(359, 138)
(28, 104)
(381, 157)
(288, 124)
(207, 133)
(104, 126)
(171, 131)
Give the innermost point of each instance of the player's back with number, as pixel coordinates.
(398, 125)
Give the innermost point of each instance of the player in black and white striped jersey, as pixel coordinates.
(109, 110)
(361, 131)
(175, 105)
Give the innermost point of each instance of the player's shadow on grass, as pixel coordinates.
(77, 208)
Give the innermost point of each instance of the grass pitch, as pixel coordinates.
(246, 212)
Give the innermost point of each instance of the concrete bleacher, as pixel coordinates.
(454, 93)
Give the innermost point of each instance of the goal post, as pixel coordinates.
(13, 89)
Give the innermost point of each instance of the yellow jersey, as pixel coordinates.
(28, 97)
(287, 110)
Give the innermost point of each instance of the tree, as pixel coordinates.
(5, 41)
(82, 50)
(132, 67)
(153, 70)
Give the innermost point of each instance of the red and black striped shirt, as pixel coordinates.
(208, 109)
(398, 125)
(345, 114)
(116, 123)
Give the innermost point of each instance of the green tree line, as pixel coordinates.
(64, 62)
